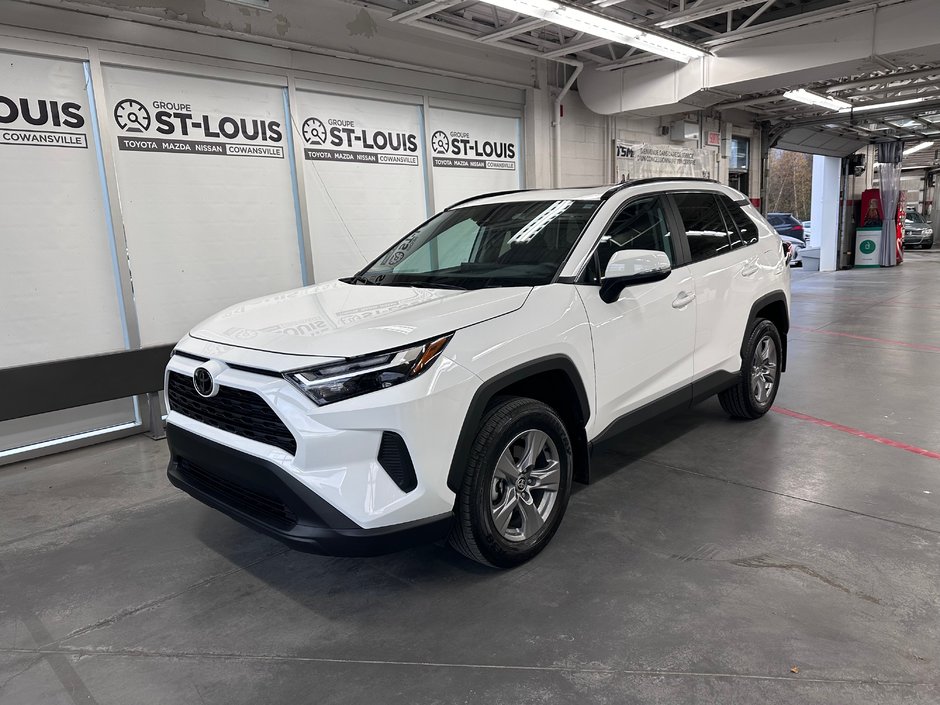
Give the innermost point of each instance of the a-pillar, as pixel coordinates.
(825, 210)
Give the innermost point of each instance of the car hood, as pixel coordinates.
(916, 227)
(336, 319)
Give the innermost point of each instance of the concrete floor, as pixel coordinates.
(710, 559)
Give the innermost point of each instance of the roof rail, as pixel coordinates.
(485, 195)
(652, 180)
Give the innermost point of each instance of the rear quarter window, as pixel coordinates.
(746, 228)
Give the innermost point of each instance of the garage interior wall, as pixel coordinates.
(191, 183)
(227, 151)
(588, 141)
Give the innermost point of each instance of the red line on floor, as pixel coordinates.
(901, 343)
(858, 432)
(822, 298)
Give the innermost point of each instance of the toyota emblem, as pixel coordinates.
(203, 382)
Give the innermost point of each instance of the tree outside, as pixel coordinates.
(790, 183)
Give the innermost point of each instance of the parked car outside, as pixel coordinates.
(797, 246)
(455, 385)
(917, 231)
(787, 224)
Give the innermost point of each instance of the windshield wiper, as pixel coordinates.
(424, 284)
(441, 285)
(358, 280)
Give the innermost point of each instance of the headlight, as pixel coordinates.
(336, 381)
(928, 231)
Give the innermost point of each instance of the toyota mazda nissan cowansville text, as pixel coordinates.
(455, 386)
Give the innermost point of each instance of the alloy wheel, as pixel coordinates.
(764, 370)
(525, 485)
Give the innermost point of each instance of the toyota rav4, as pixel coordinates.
(457, 384)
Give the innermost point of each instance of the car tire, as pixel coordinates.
(753, 395)
(503, 516)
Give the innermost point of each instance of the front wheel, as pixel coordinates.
(516, 484)
(754, 393)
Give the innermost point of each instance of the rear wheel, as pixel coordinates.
(516, 484)
(761, 356)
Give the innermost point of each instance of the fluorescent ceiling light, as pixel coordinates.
(918, 148)
(802, 95)
(878, 106)
(599, 26)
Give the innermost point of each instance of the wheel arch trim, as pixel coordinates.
(492, 387)
(777, 296)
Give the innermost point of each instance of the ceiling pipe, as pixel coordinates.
(556, 125)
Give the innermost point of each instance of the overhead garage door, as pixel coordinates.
(59, 294)
(206, 190)
(364, 174)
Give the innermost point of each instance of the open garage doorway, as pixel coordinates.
(790, 193)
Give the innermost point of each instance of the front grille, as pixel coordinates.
(256, 504)
(234, 410)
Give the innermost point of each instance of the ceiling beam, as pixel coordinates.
(883, 80)
(520, 27)
(575, 48)
(416, 12)
(873, 115)
(760, 11)
(701, 12)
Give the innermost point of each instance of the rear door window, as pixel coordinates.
(705, 228)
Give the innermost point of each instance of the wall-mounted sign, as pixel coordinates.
(168, 125)
(342, 139)
(463, 150)
(713, 139)
(364, 181)
(473, 154)
(643, 161)
(41, 121)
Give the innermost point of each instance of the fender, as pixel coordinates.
(773, 297)
(492, 387)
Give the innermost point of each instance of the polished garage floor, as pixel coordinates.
(791, 560)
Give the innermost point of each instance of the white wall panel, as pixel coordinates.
(364, 177)
(205, 186)
(58, 295)
(473, 154)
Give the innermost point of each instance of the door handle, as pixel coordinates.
(683, 300)
(749, 269)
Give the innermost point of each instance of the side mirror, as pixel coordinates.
(629, 267)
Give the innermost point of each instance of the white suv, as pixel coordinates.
(456, 385)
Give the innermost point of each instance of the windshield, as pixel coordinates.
(914, 217)
(505, 244)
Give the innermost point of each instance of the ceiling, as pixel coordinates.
(914, 89)
(710, 25)
(704, 23)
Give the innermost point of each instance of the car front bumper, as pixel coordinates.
(332, 492)
(264, 497)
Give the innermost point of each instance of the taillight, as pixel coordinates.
(797, 228)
